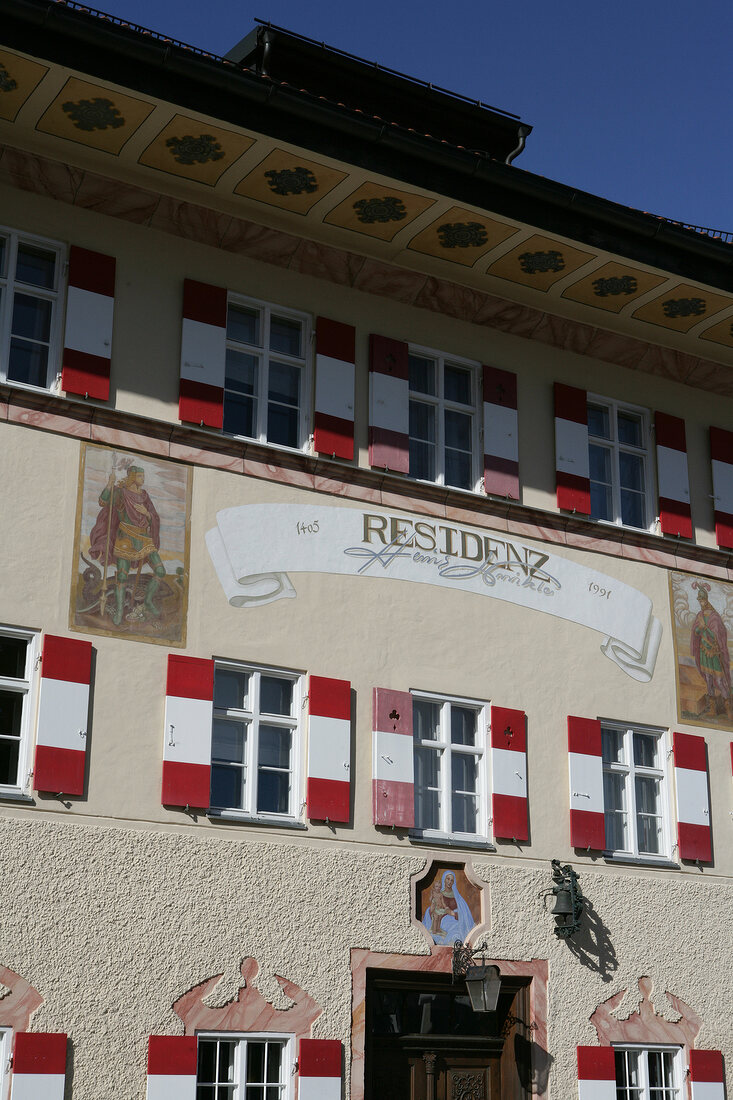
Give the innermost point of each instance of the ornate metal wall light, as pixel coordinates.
(568, 899)
(482, 982)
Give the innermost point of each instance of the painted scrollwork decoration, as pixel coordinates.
(538, 263)
(195, 150)
(93, 114)
(387, 209)
(462, 234)
(684, 307)
(7, 82)
(617, 284)
(292, 181)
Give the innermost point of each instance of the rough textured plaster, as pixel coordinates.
(118, 923)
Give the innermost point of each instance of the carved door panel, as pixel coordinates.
(435, 1075)
(467, 1077)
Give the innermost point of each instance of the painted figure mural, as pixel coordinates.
(447, 916)
(132, 547)
(703, 617)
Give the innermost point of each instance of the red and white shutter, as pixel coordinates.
(90, 302)
(675, 516)
(389, 404)
(39, 1066)
(189, 707)
(509, 773)
(693, 805)
(596, 1073)
(721, 455)
(329, 749)
(571, 449)
(172, 1065)
(393, 768)
(706, 1075)
(333, 432)
(501, 433)
(319, 1069)
(203, 354)
(63, 713)
(587, 818)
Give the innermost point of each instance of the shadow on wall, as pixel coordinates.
(533, 1064)
(592, 944)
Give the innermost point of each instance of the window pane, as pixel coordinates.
(276, 695)
(631, 468)
(207, 1060)
(239, 415)
(274, 747)
(427, 780)
(35, 266)
(228, 741)
(614, 799)
(243, 325)
(273, 792)
(422, 460)
(464, 772)
(283, 425)
(462, 726)
(598, 422)
(425, 720)
(12, 657)
(225, 1061)
(629, 429)
(31, 317)
(612, 746)
(632, 509)
(600, 464)
(3, 254)
(241, 372)
(227, 787)
(284, 384)
(255, 1092)
(230, 689)
(28, 363)
(9, 754)
(457, 385)
(464, 813)
(457, 430)
(645, 750)
(422, 421)
(648, 815)
(600, 501)
(285, 336)
(255, 1063)
(422, 375)
(11, 709)
(458, 469)
(274, 1057)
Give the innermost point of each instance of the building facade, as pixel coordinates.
(367, 518)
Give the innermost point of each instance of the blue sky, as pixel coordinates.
(631, 101)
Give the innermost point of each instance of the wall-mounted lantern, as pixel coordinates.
(482, 982)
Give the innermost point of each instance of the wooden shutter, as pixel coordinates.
(39, 1066)
(63, 714)
(706, 1075)
(172, 1065)
(675, 516)
(90, 300)
(333, 432)
(203, 354)
(571, 449)
(587, 818)
(319, 1069)
(721, 455)
(389, 405)
(393, 769)
(509, 774)
(596, 1073)
(693, 805)
(501, 433)
(329, 749)
(189, 710)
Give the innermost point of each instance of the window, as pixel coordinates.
(6, 1040)
(30, 315)
(450, 766)
(18, 649)
(443, 422)
(648, 1074)
(255, 745)
(618, 438)
(252, 1067)
(635, 791)
(265, 388)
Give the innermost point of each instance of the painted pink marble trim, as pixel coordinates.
(249, 1011)
(439, 962)
(17, 1006)
(30, 172)
(644, 1025)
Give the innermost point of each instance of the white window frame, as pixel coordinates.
(630, 770)
(441, 359)
(262, 352)
(6, 1046)
(287, 1065)
(481, 750)
(8, 287)
(253, 717)
(27, 687)
(613, 445)
(679, 1088)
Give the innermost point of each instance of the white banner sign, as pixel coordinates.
(255, 547)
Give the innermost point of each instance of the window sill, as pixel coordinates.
(248, 819)
(440, 840)
(663, 862)
(26, 387)
(10, 794)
